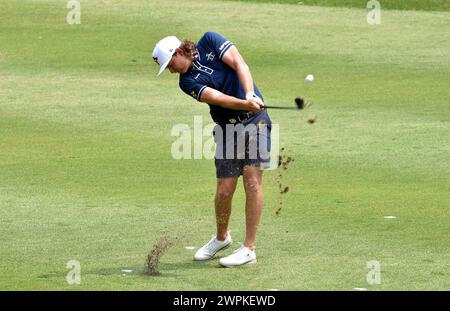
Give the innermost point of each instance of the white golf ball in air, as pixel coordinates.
(309, 78)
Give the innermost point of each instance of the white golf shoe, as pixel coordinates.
(212, 247)
(241, 256)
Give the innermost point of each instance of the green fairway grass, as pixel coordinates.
(86, 171)
(427, 5)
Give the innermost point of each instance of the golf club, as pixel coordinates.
(299, 102)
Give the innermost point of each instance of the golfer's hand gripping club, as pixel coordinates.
(251, 96)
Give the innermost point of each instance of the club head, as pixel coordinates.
(300, 102)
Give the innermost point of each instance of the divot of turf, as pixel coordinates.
(155, 254)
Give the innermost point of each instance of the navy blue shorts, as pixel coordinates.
(242, 144)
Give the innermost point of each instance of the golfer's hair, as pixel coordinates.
(188, 48)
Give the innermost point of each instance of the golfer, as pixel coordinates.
(214, 72)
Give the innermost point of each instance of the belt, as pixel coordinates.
(242, 117)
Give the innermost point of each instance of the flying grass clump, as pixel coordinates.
(312, 120)
(155, 254)
(283, 162)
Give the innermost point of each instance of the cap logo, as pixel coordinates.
(156, 60)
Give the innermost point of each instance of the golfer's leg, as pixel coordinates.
(224, 195)
(252, 177)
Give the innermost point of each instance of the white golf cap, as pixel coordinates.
(163, 51)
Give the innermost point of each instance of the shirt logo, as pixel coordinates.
(193, 94)
(210, 56)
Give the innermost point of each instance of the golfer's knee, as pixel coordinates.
(224, 194)
(252, 186)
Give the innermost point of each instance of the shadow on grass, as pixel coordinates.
(166, 270)
(189, 265)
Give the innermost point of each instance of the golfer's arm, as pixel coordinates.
(215, 97)
(233, 58)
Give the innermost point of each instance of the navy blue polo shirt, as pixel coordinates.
(209, 70)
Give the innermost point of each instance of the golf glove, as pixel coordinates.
(252, 95)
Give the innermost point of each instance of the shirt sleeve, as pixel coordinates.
(217, 43)
(192, 88)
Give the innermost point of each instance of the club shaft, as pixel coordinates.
(280, 107)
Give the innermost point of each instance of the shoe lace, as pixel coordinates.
(238, 249)
(209, 247)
